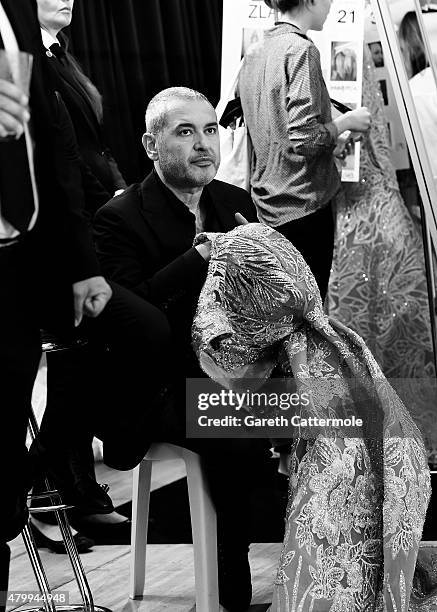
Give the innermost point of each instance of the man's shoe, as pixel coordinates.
(72, 477)
(88, 495)
(234, 579)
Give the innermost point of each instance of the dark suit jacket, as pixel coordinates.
(61, 240)
(94, 153)
(144, 241)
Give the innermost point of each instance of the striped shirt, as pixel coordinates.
(288, 114)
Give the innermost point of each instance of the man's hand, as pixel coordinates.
(204, 249)
(13, 110)
(90, 297)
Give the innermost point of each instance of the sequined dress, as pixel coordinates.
(378, 284)
(356, 504)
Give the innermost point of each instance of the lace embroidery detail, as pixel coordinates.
(356, 503)
(378, 283)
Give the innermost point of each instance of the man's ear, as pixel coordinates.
(149, 143)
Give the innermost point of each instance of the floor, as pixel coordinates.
(169, 575)
(169, 572)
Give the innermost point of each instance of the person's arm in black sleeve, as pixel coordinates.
(123, 260)
(91, 292)
(117, 177)
(77, 228)
(95, 194)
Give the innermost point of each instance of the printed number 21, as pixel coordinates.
(343, 16)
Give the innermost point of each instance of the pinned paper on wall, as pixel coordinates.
(341, 55)
(257, 18)
(395, 133)
(244, 22)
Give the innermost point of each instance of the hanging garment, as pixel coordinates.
(378, 284)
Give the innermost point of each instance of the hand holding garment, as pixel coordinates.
(356, 504)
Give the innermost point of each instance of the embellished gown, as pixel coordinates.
(357, 501)
(378, 284)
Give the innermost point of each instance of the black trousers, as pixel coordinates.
(313, 237)
(118, 374)
(94, 398)
(19, 357)
(5, 555)
(31, 300)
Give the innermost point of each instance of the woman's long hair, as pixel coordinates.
(91, 91)
(412, 45)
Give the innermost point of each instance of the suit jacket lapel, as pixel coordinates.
(163, 220)
(174, 230)
(87, 110)
(223, 214)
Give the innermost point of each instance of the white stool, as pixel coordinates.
(203, 525)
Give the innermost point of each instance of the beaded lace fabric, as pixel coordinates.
(378, 284)
(356, 505)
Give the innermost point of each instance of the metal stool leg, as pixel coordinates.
(75, 561)
(70, 545)
(38, 570)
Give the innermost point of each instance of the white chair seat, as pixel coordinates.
(203, 524)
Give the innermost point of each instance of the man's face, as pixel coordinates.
(188, 148)
(54, 15)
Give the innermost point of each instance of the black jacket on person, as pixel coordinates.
(144, 238)
(39, 269)
(144, 242)
(62, 232)
(96, 156)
